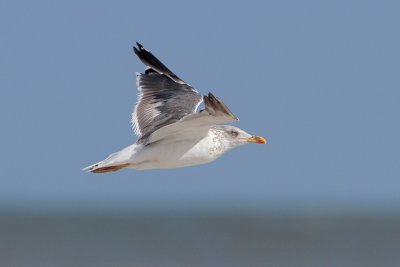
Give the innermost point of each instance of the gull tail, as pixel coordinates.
(113, 162)
(99, 168)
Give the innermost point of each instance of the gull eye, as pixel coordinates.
(234, 133)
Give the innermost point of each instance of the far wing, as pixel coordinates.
(197, 124)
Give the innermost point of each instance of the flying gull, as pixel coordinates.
(171, 133)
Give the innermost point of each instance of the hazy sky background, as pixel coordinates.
(320, 80)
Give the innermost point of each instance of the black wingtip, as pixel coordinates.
(138, 48)
(154, 63)
(213, 98)
(218, 104)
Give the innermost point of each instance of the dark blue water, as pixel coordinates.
(198, 240)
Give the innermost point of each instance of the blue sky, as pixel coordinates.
(320, 80)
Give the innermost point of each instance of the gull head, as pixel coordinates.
(233, 136)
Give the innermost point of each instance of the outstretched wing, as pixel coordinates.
(163, 97)
(196, 125)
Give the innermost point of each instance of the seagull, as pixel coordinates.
(171, 132)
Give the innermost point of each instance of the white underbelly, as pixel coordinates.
(176, 154)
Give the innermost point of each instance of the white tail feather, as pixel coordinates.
(114, 161)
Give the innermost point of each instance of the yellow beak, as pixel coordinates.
(257, 139)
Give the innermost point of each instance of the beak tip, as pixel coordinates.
(258, 140)
(261, 140)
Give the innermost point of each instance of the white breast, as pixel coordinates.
(181, 153)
